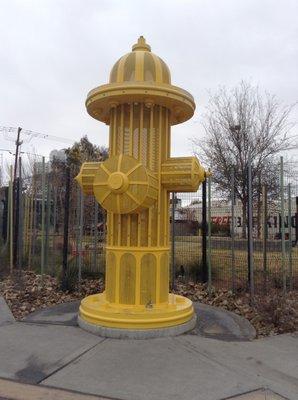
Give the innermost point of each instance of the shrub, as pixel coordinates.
(69, 280)
(192, 271)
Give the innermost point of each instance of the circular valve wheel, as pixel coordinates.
(123, 185)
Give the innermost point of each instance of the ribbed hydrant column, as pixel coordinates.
(140, 130)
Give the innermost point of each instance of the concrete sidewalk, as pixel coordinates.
(187, 367)
(11, 390)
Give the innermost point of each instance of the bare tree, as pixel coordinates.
(238, 122)
(81, 151)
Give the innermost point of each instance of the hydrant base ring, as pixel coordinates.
(115, 333)
(98, 316)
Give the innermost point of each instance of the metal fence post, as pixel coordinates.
(265, 233)
(11, 219)
(209, 234)
(282, 212)
(35, 211)
(204, 233)
(64, 281)
(77, 221)
(81, 238)
(15, 219)
(250, 230)
(233, 228)
(42, 219)
(55, 230)
(296, 222)
(25, 224)
(20, 217)
(95, 235)
(48, 219)
(33, 232)
(173, 241)
(290, 237)
(30, 231)
(5, 219)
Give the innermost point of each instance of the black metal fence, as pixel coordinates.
(211, 240)
(236, 260)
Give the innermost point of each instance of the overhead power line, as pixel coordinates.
(8, 130)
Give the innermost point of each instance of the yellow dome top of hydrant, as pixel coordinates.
(140, 65)
(140, 76)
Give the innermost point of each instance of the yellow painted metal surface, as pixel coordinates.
(133, 184)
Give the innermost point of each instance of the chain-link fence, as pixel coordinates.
(233, 260)
(48, 226)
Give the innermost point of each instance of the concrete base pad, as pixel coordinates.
(212, 322)
(137, 334)
(217, 323)
(6, 316)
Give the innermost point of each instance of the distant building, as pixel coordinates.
(221, 216)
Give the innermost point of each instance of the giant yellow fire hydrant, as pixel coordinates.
(133, 184)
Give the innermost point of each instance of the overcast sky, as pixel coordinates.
(54, 51)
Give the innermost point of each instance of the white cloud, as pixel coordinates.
(54, 51)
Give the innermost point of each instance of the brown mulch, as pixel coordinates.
(270, 314)
(29, 292)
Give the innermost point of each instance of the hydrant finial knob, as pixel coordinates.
(141, 45)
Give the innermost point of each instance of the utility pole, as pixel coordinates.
(16, 199)
(18, 144)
